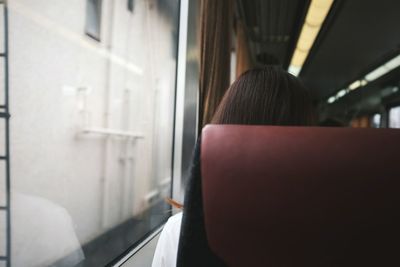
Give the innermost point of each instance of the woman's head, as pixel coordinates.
(266, 96)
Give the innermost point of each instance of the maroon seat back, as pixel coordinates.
(302, 196)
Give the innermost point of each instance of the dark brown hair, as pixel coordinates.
(266, 96)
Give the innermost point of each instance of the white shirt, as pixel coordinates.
(167, 246)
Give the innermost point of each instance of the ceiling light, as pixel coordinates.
(376, 73)
(341, 93)
(373, 75)
(355, 85)
(294, 70)
(331, 99)
(338, 95)
(393, 63)
(383, 69)
(316, 15)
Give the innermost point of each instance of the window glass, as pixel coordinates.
(93, 18)
(2, 187)
(394, 117)
(376, 120)
(91, 128)
(3, 250)
(131, 5)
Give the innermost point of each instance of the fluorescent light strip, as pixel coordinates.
(341, 93)
(316, 15)
(393, 63)
(373, 75)
(355, 85)
(331, 99)
(382, 70)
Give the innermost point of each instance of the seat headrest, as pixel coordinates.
(301, 196)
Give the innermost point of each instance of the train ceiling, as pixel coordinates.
(273, 27)
(356, 37)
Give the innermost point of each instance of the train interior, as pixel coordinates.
(102, 101)
(351, 66)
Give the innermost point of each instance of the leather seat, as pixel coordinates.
(301, 196)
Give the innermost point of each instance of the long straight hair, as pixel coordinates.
(266, 96)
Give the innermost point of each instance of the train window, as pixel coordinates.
(376, 120)
(131, 5)
(93, 18)
(394, 117)
(91, 129)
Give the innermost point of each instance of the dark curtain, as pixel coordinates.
(243, 56)
(215, 51)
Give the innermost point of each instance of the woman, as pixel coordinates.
(265, 96)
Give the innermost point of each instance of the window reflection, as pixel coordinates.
(92, 127)
(376, 120)
(394, 117)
